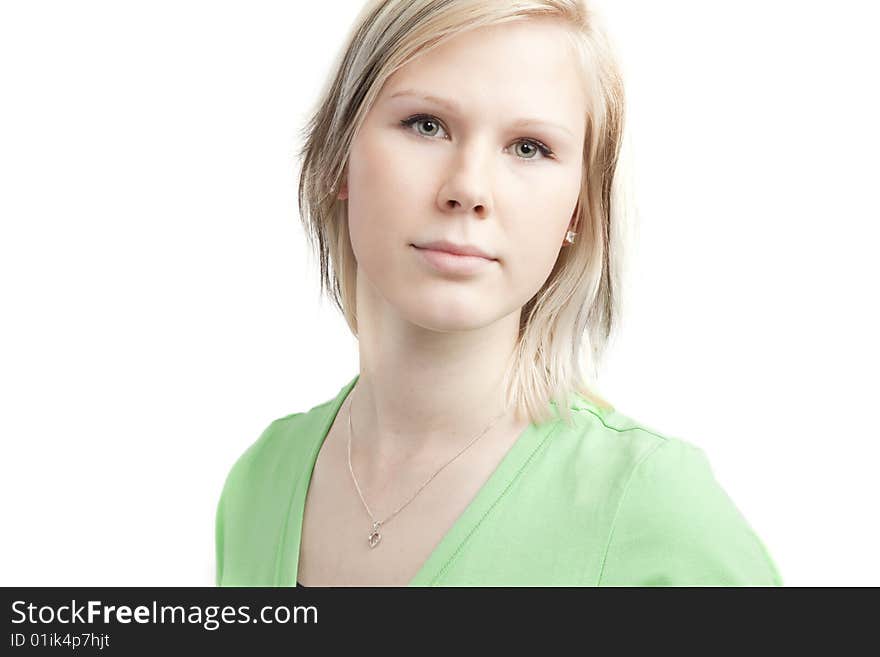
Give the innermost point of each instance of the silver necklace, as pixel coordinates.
(374, 537)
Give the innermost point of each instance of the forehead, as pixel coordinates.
(528, 67)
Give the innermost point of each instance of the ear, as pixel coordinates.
(572, 224)
(343, 187)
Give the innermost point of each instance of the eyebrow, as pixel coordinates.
(455, 107)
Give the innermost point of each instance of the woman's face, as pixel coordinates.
(460, 168)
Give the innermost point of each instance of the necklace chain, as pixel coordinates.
(374, 536)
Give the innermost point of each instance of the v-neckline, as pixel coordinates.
(509, 468)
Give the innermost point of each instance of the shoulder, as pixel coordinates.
(672, 522)
(284, 442)
(254, 503)
(607, 443)
(279, 436)
(636, 452)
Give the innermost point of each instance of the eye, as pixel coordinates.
(532, 146)
(422, 120)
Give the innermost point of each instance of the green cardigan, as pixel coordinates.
(606, 502)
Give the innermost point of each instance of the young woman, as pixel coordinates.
(458, 186)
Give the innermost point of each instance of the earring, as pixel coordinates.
(569, 236)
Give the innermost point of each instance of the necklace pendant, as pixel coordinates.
(374, 536)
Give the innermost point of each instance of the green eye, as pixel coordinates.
(427, 122)
(532, 146)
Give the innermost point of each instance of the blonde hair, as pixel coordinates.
(576, 310)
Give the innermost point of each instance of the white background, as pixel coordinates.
(160, 307)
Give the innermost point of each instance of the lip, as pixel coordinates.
(455, 249)
(452, 263)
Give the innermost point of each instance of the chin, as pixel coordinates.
(446, 317)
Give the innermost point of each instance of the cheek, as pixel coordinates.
(535, 242)
(534, 257)
(383, 210)
(383, 164)
(381, 184)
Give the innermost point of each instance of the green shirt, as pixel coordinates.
(606, 502)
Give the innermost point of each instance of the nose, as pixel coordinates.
(467, 187)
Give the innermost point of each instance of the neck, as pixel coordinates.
(429, 392)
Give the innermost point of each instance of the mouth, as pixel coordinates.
(443, 246)
(453, 263)
(451, 253)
